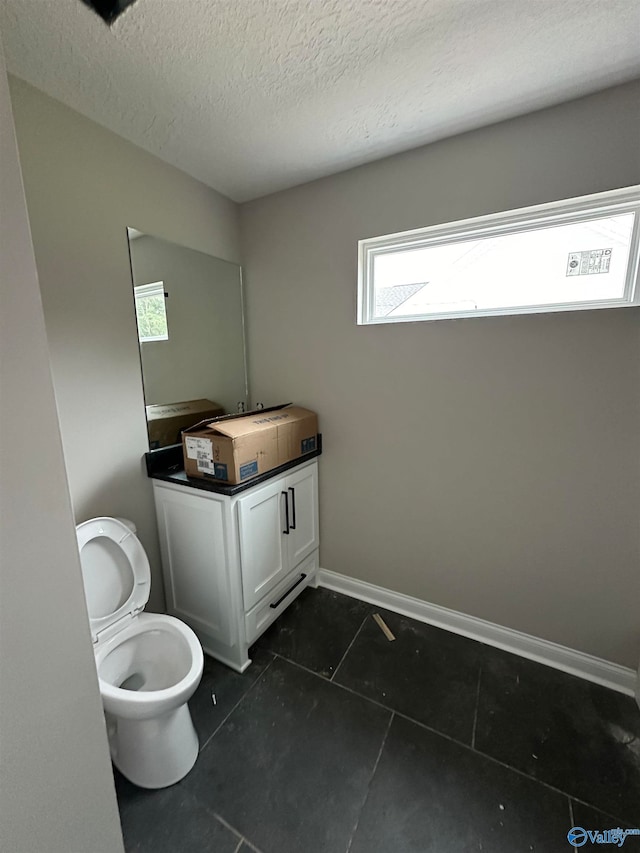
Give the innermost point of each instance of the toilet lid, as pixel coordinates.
(115, 572)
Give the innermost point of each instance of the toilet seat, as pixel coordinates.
(115, 572)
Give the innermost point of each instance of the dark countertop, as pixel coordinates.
(166, 463)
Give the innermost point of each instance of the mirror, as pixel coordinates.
(189, 311)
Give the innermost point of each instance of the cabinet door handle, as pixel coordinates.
(286, 512)
(293, 507)
(291, 588)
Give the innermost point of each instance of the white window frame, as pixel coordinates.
(156, 288)
(563, 212)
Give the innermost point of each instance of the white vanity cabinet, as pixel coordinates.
(233, 563)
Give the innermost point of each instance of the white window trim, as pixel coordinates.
(569, 211)
(156, 288)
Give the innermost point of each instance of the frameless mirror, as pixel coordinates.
(189, 312)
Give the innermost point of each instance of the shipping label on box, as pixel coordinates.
(201, 450)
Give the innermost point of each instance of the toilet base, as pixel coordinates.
(154, 753)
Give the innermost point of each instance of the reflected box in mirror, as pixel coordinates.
(167, 420)
(234, 450)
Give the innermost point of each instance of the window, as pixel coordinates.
(564, 256)
(151, 313)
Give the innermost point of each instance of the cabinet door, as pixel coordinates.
(302, 492)
(263, 548)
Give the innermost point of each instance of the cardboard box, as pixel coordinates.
(234, 450)
(165, 421)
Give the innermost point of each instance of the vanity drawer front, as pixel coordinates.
(263, 614)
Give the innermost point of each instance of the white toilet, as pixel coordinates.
(148, 664)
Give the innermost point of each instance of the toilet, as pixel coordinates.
(148, 664)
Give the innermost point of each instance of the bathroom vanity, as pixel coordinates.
(235, 557)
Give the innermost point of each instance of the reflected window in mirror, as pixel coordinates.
(151, 312)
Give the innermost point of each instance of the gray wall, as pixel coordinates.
(487, 465)
(204, 356)
(84, 186)
(57, 789)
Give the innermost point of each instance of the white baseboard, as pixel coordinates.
(568, 660)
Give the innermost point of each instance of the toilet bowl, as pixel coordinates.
(148, 664)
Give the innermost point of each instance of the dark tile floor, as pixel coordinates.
(336, 740)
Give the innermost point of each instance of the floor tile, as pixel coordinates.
(315, 631)
(574, 735)
(169, 820)
(228, 686)
(426, 673)
(290, 767)
(430, 795)
(593, 820)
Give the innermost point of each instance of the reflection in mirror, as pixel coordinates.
(189, 310)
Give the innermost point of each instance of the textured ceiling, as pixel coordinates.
(252, 96)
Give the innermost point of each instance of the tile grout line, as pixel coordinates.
(572, 822)
(597, 808)
(244, 695)
(475, 716)
(349, 646)
(250, 845)
(451, 739)
(243, 839)
(373, 773)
